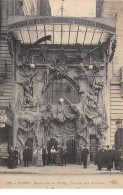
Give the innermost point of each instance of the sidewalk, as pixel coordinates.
(58, 170)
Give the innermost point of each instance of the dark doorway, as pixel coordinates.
(29, 143)
(93, 147)
(51, 143)
(119, 139)
(71, 151)
(6, 141)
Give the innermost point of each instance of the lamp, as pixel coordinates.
(61, 100)
(91, 67)
(32, 65)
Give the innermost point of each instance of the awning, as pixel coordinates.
(63, 30)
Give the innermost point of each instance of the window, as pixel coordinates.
(60, 89)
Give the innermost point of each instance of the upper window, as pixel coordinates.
(60, 89)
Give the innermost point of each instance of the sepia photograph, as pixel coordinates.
(61, 94)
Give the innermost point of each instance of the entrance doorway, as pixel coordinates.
(51, 143)
(93, 147)
(119, 139)
(71, 151)
(29, 143)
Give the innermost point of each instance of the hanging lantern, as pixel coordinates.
(61, 100)
(32, 65)
(91, 67)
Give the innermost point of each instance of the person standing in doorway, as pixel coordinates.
(84, 156)
(53, 155)
(11, 161)
(64, 156)
(26, 156)
(58, 156)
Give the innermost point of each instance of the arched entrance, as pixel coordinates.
(71, 151)
(29, 143)
(51, 143)
(119, 139)
(93, 147)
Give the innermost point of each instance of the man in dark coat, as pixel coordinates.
(11, 162)
(64, 156)
(16, 156)
(104, 162)
(84, 156)
(114, 155)
(109, 158)
(44, 155)
(121, 160)
(26, 156)
(98, 159)
(118, 158)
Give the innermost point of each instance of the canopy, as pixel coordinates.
(63, 30)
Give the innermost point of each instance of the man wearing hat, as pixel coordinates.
(84, 156)
(26, 156)
(99, 158)
(109, 158)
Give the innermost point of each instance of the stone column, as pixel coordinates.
(40, 145)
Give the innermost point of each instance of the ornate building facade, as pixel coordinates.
(57, 79)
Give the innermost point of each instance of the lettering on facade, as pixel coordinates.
(61, 20)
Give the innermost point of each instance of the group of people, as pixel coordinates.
(53, 156)
(104, 158)
(109, 158)
(13, 157)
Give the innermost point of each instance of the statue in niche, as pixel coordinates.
(81, 72)
(60, 113)
(61, 58)
(95, 88)
(47, 116)
(63, 113)
(28, 92)
(82, 55)
(88, 105)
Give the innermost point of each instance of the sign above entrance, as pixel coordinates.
(62, 30)
(62, 20)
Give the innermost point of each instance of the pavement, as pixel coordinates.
(59, 170)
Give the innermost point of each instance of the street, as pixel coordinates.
(70, 169)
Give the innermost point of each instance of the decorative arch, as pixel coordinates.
(64, 77)
(60, 88)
